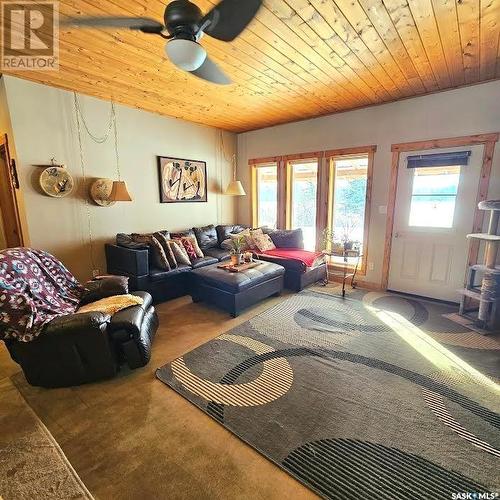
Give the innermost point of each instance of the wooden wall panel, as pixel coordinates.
(298, 59)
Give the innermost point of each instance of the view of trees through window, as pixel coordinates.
(267, 195)
(433, 197)
(349, 199)
(303, 200)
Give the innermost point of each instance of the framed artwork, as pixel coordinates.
(181, 180)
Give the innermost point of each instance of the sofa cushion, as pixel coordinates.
(287, 238)
(125, 240)
(160, 274)
(179, 252)
(182, 234)
(159, 257)
(206, 236)
(224, 230)
(237, 282)
(218, 253)
(263, 242)
(203, 261)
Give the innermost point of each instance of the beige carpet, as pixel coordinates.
(32, 465)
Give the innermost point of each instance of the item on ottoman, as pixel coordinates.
(235, 291)
(111, 305)
(56, 347)
(263, 242)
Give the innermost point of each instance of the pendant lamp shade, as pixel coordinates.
(119, 192)
(235, 188)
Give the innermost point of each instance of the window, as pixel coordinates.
(266, 195)
(302, 205)
(434, 193)
(348, 194)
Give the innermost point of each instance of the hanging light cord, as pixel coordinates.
(113, 112)
(94, 137)
(84, 179)
(232, 159)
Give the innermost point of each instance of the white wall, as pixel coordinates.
(466, 111)
(44, 126)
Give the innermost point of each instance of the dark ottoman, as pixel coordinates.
(235, 291)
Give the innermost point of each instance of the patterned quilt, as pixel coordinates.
(34, 289)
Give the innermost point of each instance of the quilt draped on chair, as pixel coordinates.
(34, 289)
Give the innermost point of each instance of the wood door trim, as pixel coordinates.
(450, 142)
(488, 140)
(14, 200)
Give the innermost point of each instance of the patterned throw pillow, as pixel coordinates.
(250, 239)
(179, 252)
(158, 254)
(196, 247)
(263, 242)
(188, 246)
(167, 249)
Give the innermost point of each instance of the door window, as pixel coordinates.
(433, 198)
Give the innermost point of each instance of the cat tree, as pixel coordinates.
(483, 280)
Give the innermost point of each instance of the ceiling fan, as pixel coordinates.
(184, 25)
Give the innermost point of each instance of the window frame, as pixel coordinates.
(324, 191)
(255, 195)
(290, 161)
(330, 157)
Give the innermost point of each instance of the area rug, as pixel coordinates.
(371, 396)
(32, 464)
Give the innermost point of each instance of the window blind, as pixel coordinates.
(439, 159)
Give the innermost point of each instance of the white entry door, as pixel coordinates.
(434, 212)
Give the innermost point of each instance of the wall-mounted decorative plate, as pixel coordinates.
(100, 191)
(56, 182)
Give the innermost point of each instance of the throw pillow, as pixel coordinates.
(250, 241)
(263, 242)
(188, 246)
(158, 254)
(287, 238)
(196, 247)
(162, 238)
(179, 252)
(227, 245)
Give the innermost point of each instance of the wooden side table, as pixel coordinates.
(347, 272)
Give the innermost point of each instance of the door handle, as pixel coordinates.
(397, 234)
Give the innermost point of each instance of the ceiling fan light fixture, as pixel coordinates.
(185, 54)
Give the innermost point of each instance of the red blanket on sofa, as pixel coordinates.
(299, 254)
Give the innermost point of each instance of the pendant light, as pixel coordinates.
(119, 191)
(234, 188)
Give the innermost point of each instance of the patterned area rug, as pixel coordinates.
(32, 464)
(371, 396)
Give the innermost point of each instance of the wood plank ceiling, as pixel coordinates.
(298, 59)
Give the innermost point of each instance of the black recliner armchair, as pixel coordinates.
(85, 347)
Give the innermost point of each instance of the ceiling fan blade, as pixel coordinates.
(229, 18)
(211, 72)
(145, 24)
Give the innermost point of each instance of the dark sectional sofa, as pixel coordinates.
(128, 258)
